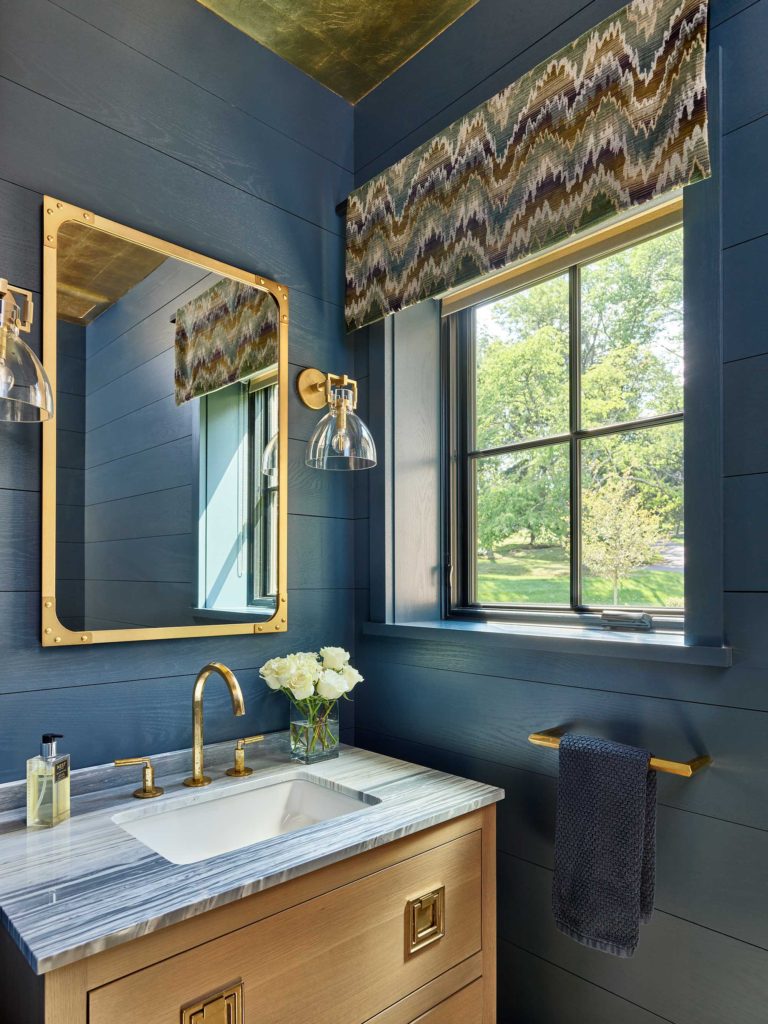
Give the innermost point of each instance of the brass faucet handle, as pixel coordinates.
(148, 787)
(239, 770)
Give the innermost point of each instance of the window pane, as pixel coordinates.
(632, 518)
(521, 365)
(632, 332)
(522, 527)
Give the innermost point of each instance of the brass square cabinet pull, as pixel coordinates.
(425, 920)
(223, 1007)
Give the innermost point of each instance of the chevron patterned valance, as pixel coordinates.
(227, 333)
(616, 118)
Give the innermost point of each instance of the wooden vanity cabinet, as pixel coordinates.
(403, 934)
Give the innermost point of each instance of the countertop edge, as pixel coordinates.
(51, 963)
(103, 914)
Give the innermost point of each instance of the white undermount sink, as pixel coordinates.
(196, 826)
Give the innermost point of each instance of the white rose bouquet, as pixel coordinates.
(313, 683)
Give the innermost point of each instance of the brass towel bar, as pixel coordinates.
(551, 738)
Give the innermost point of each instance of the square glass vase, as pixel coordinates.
(314, 734)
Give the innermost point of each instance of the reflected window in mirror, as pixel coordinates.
(263, 413)
(237, 559)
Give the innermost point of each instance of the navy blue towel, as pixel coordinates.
(605, 843)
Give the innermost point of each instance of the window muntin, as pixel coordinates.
(571, 391)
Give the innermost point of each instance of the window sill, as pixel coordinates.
(252, 614)
(662, 647)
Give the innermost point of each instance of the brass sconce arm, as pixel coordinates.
(314, 387)
(23, 317)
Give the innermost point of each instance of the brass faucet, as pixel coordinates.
(238, 706)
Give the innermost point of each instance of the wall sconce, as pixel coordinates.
(25, 391)
(340, 440)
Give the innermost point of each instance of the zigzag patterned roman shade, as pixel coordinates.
(226, 334)
(613, 120)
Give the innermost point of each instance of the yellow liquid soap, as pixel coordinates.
(47, 786)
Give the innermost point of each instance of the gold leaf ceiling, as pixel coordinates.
(94, 269)
(350, 46)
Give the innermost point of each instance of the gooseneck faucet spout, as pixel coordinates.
(197, 777)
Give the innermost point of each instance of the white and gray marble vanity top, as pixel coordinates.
(87, 885)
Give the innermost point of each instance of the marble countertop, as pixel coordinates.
(87, 885)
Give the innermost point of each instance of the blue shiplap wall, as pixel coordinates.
(462, 708)
(70, 469)
(165, 118)
(141, 464)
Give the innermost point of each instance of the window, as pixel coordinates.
(238, 489)
(565, 438)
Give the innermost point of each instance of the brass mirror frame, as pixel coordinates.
(53, 633)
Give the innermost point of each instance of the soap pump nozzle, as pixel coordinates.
(48, 744)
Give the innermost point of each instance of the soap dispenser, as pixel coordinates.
(47, 785)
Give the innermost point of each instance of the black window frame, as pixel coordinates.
(458, 391)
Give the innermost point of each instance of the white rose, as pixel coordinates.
(304, 671)
(302, 688)
(351, 677)
(271, 680)
(331, 685)
(334, 657)
(295, 672)
(274, 672)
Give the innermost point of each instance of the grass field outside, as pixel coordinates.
(521, 574)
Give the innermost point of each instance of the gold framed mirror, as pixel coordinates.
(164, 491)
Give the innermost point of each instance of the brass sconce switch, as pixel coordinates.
(239, 770)
(425, 920)
(148, 788)
(224, 1007)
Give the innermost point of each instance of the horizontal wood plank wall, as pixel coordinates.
(70, 470)
(164, 117)
(139, 444)
(461, 708)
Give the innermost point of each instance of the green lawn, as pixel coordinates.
(521, 574)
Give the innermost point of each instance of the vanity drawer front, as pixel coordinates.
(337, 959)
(466, 1007)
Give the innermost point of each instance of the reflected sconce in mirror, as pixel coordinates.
(269, 458)
(340, 440)
(25, 391)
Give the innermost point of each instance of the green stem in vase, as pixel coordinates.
(316, 729)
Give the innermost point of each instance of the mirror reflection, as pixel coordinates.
(167, 425)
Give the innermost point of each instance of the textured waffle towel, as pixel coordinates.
(605, 843)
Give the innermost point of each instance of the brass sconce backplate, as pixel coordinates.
(310, 385)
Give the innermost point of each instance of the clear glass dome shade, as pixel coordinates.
(25, 391)
(341, 440)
